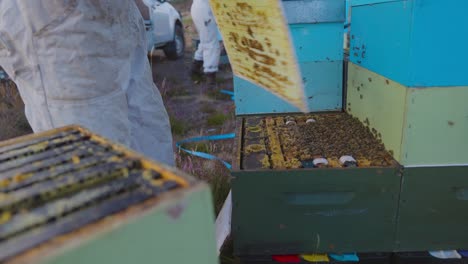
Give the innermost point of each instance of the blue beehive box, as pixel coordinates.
(417, 43)
(317, 30)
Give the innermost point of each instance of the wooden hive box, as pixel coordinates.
(417, 43)
(70, 196)
(282, 206)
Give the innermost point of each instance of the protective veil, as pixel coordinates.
(209, 49)
(84, 62)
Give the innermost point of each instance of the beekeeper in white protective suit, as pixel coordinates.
(207, 55)
(84, 62)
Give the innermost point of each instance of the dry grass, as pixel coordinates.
(213, 172)
(194, 112)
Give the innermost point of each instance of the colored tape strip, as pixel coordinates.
(287, 259)
(231, 93)
(206, 138)
(350, 257)
(3, 75)
(316, 258)
(203, 154)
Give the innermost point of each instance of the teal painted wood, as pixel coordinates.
(314, 210)
(433, 212)
(314, 11)
(418, 43)
(379, 41)
(370, 2)
(319, 49)
(318, 42)
(439, 43)
(323, 84)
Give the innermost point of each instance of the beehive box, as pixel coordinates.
(433, 209)
(282, 206)
(316, 28)
(417, 43)
(70, 196)
(426, 130)
(422, 127)
(407, 80)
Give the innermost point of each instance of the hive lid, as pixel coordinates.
(260, 48)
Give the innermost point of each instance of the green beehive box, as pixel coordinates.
(433, 213)
(426, 130)
(69, 196)
(421, 126)
(279, 208)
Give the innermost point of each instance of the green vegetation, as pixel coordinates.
(217, 119)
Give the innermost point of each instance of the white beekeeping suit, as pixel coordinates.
(209, 49)
(84, 62)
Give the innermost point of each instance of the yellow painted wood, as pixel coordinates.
(436, 131)
(257, 39)
(420, 126)
(379, 103)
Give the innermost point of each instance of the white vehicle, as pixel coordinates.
(164, 27)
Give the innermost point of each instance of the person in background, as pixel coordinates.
(206, 57)
(84, 62)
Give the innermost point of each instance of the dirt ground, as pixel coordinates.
(196, 112)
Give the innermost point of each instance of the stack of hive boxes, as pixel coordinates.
(280, 208)
(408, 81)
